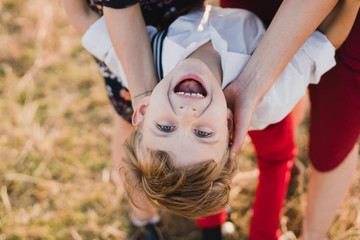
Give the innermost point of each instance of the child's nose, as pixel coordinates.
(187, 112)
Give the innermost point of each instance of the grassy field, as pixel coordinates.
(56, 179)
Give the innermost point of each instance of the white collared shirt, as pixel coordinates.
(234, 33)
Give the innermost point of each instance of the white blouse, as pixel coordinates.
(234, 33)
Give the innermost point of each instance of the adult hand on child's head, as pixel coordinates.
(242, 103)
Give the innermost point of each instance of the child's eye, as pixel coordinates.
(201, 134)
(165, 128)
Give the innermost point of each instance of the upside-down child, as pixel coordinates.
(178, 155)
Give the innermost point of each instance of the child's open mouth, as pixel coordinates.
(190, 87)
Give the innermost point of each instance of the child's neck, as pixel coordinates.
(207, 54)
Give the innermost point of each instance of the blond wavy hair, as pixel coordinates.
(194, 191)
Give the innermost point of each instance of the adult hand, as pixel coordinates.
(243, 105)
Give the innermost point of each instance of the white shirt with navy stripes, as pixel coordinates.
(234, 33)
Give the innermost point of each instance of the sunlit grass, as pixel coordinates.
(56, 177)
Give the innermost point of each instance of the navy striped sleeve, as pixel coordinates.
(119, 3)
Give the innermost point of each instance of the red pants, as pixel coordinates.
(335, 107)
(275, 150)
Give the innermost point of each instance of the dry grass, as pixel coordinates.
(55, 161)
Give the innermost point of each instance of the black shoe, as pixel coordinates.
(211, 233)
(225, 231)
(148, 232)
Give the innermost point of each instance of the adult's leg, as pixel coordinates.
(122, 130)
(145, 220)
(121, 101)
(275, 149)
(326, 190)
(334, 131)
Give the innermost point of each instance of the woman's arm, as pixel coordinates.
(80, 14)
(293, 23)
(131, 42)
(337, 25)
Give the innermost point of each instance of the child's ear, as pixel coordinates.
(230, 121)
(140, 111)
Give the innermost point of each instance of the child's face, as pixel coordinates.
(186, 115)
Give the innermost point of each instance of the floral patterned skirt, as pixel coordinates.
(119, 95)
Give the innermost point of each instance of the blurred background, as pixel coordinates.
(56, 176)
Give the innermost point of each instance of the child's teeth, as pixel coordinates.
(191, 94)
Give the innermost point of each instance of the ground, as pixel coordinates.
(56, 178)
